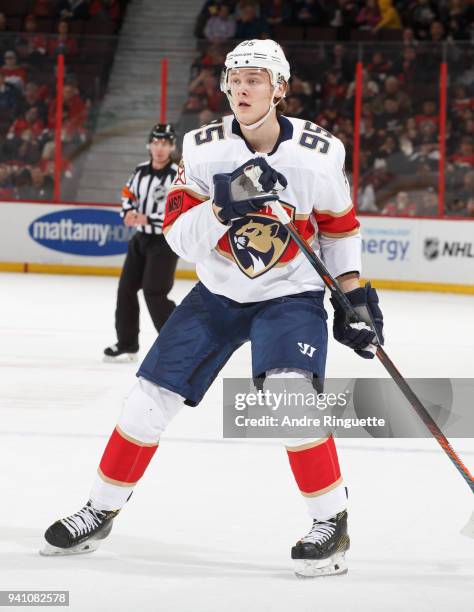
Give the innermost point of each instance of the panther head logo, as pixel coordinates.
(257, 242)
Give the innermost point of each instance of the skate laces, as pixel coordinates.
(84, 521)
(320, 532)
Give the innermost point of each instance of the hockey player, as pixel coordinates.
(150, 263)
(254, 285)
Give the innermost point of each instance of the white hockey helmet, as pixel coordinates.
(265, 54)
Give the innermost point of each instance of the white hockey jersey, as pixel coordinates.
(254, 259)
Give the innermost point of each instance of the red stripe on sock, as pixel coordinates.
(125, 461)
(315, 468)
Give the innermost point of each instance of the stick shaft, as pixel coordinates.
(388, 364)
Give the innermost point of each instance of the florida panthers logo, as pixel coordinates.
(258, 241)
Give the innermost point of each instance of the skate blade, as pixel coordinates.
(80, 549)
(468, 530)
(312, 568)
(123, 358)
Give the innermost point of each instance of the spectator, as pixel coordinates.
(73, 9)
(31, 45)
(26, 150)
(210, 9)
(108, 10)
(341, 63)
(379, 66)
(370, 91)
(465, 155)
(389, 17)
(220, 27)
(368, 16)
(407, 68)
(62, 43)
(310, 12)
(390, 119)
(429, 113)
(428, 206)
(276, 12)
(206, 86)
(9, 97)
(333, 91)
(461, 99)
(44, 8)
(31, 121)
(420, 18)
(37, 186)
(250, 25)
(395, 160)
(392, 89)
(408, 37)
(47, 164)
(344, 18)
(13, 73)
(369, 139)
(214, 56)
(32, 98)
(295, 107)
(74, 114)
(401, 206)
(302, 89)
(436, 32)
(409, 137)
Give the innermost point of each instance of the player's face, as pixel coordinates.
(251, 91)
(160, 150)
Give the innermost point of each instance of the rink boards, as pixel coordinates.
(398, 253)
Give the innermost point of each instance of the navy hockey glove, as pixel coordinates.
(237, 195)
(359, 336)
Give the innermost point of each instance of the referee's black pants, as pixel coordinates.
(150, 265)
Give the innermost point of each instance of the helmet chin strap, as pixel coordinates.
(262, 120)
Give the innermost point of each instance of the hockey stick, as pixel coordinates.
(388, 364)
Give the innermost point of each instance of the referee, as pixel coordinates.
(150, 263)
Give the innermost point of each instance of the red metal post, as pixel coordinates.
(356, 151)
(58, 127)
(164, 89)
(443, 84)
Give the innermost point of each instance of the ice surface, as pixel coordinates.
(210, 526)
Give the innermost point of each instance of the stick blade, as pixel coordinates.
(468, 530)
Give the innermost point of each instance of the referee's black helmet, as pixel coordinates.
(162, 130)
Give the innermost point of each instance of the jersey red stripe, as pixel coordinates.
(329, 224)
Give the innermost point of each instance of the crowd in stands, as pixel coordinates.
(32, 34)
(399, 148)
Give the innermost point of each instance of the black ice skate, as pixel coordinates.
(117, 353)
(322, 551)
(79, 533)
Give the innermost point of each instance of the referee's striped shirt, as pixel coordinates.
(146, 192)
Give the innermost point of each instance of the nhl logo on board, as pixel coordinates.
(431, 248)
